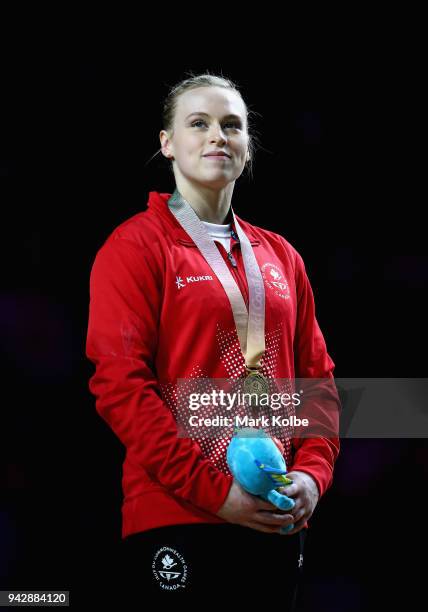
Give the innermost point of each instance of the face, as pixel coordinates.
(208, 119)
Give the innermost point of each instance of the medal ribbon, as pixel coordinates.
(250, 326)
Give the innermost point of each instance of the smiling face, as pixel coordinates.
(208, 119)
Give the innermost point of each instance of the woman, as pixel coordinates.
(163, 308)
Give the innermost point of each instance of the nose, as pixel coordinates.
(217, 134)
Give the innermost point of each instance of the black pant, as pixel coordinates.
(216, 563)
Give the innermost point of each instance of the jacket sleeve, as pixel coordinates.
(125, 305)
(321, 403)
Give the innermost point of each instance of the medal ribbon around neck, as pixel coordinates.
(250, 326)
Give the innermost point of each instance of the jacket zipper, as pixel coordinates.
(236, 276)
(232, 259)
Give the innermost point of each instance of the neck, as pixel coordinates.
(209, 204)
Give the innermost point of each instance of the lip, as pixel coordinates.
(217, 155)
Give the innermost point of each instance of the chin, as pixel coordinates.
(218, 185)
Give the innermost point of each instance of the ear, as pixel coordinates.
(166, 145)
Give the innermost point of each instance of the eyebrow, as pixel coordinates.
(207, 115)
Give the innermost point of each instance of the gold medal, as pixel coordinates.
(255, 383)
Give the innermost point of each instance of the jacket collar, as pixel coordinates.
(158, 204)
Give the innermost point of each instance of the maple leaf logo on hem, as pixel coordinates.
(168, 562)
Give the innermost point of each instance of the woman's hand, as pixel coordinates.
(305, 493)
(250, 511)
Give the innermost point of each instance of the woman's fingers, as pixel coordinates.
(263, 505)
(263, 527)
(271, 518)
(301, 512)
(298, 526)
(289, 490)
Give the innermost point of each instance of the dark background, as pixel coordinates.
(341, 182)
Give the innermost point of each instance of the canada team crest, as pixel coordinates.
(275, 280)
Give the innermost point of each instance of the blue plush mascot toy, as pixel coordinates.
(258, 465)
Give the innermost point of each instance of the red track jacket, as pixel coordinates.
(158, 313)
